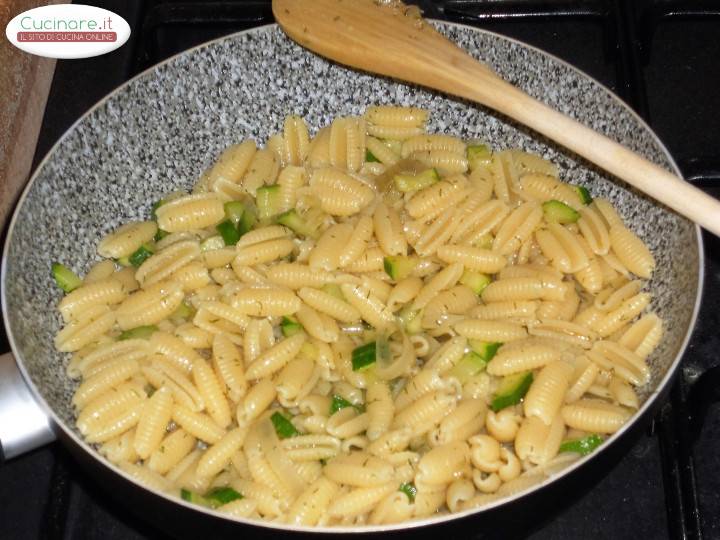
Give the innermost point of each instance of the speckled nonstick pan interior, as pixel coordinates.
(162, 129)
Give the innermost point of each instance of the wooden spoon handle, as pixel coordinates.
(637, 171)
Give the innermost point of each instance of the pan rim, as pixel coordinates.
(429, 521)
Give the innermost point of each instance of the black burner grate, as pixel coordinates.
(661, 56)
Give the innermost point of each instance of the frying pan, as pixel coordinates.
(160, 130)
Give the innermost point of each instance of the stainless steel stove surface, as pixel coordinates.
(661, 56)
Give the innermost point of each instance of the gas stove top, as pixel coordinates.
(661, 56)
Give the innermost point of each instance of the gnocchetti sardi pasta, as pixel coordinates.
(370, 325)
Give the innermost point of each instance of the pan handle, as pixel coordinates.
(24, 426)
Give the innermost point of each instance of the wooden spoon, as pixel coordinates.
(391, 39)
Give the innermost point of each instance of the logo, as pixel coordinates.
(68, 31)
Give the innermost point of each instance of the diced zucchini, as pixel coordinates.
(228, 232)
(559, 212)
(212, 243)
(399, 266)
(469, 365)
(511, 390)
(477, 281)
(154, 208)
(363, 356)
(414, 182)
(409, 489)
(123, 261)
(584, 194)
(223, 495)
(338, 402)
(184, 311)
(234, 211)
(582, 446)
(213, 499)
(334, 290)
(140, 255)
(268, 201)
(139, 332)
(159, 235)
(478, 155)
(290, 326)
(486, 349)
(283, 427)
(370, 157)
(411, 320)
(248, 220)
(65, 278)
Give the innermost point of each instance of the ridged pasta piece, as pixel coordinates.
(296, 140)
(455, 301)
(464, 422)
(263, 169)
(423, 415)
(228, 365)
(381, 151)
(627, 311)
(211, 392)
(542, 187)
(371, 309)
(562, 248)
(631, 251)
(442, 360)
(370, 261)
(388, 230)
(165, 262)
(190, 212)
(444, 279)
(101, 293)
(644, 335)
(347, 143)
(525, 356)
(357, 243)
(380, 408)
(88, 327)
(472, 258)
(359, 500)
(443, 463)
(328, 304)
(594, 416)
(317, 324)
(312, 504)
(566, 331)
(547, 392)
(197, 424)
(257, 400)
(537, 441)
(217, 457)
(594, 230)
(232, 164)
(607, 211)
(328, 250)
(193, 276)
(296, 276)
(493, 331)
(120, 449)
(296, 380)
(100, 271)
(263, 252)
(621, 360)
(174, 350)
(445, 161)
(394, 508)
(429, 202)
(150, 305)
(108, 378)
(359, 469)
(173, 448)
(517, 228)
(523, 289)
(148, 478)
(276, 357)
(432, 142)
(481, 222)
(339, 194)
(394, 116)
(115, 426)
(513, 310)
(153, 423)
(265, 301)
(405, 291)
(107, 405)
(126, 239)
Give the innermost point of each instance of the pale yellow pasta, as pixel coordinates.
(190, 212)
(594, 416)
(276, 357)
(173, 448)
(340, 258)
(197, 424)
(517, 228)
(490, 330)
(296, 276)
(339, 193)
(153, 422)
